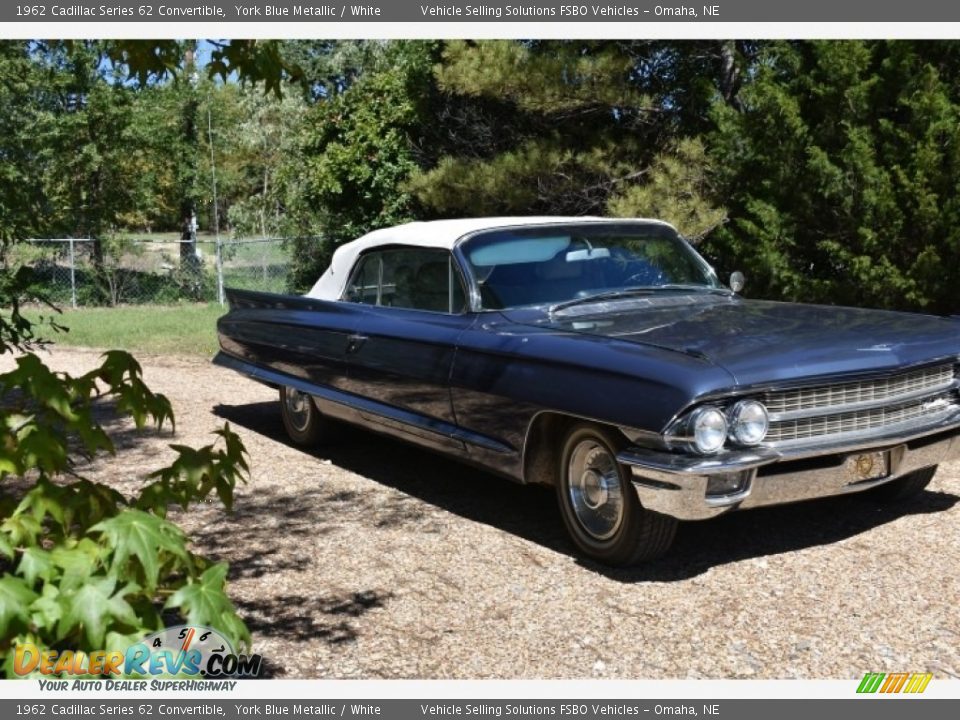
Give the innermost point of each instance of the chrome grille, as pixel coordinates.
(860, 421)
(834, 398)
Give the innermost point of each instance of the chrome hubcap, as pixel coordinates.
(298, 407)
(594, 489)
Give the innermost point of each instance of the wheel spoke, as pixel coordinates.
(593, 483)
(297, 407)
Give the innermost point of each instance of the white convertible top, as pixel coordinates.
(434, 234)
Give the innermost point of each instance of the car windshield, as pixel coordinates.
(561, 264)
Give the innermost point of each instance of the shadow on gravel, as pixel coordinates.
(305, 617)
(531, 513)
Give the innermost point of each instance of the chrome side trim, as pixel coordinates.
(389, 415)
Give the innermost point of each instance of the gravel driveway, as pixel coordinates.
(371, 559)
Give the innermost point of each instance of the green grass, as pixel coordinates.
(189, 329)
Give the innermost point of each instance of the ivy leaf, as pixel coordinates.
(94, 607)
(21, 530)
(196, 472)
(43, 385)
(45, 613)
(93, 502)
(122, 640)
(5, 547)
(48, 499)
(124, 379)
(233, 628)
(15, 599)
(35, 562)
(204, 602)
(78, 561)
(140, 535)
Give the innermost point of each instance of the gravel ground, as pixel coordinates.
(372, 559)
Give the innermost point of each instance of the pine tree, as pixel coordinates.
(841, 174)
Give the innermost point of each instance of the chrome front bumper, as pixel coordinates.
(677, 485)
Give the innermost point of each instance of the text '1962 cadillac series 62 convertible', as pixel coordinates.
(604, 357)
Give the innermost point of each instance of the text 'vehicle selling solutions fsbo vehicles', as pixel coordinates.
(604, 357)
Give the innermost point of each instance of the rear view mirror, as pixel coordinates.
(737, 281)
(587, 254)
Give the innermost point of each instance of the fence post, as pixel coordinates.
(216, 211)
(220, 294)
(73, 276)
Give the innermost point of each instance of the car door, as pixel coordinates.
(301, 337)
(401, 354)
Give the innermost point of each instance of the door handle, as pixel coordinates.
(355, 342)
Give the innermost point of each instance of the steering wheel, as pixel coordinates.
(644, 277)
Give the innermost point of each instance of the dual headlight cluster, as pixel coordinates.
(744, 423)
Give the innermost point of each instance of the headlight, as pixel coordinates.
(708, 428)
(748, 422)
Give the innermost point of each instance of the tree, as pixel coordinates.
(82, 566)
(83, 110)
(326, 68)
(356, 152)
(258, 147)
(840, 172)
(569, 128)
(20, 186)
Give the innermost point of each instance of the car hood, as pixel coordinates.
(760, 342)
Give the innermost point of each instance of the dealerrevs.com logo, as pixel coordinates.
(186, 651)
(890, 683)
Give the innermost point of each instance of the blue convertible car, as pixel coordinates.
(604, 357)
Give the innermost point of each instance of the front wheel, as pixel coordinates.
(599, 506)
(301, 419)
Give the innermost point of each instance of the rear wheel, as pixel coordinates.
(302, 420)
(599, 506)
(905, 487)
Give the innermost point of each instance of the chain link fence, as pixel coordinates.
(79, 272)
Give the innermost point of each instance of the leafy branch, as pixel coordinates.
(83, 566)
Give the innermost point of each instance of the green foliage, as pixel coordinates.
(841, 174)
(254, 149)
(81, 564)
(565, 127)
(18, 332)
(203, 601)
(329, 67)
(253, 61)
(675, 190)
(834, 163)
(356, 152)
(543, 77)
(20, 188)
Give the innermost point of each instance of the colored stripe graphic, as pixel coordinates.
(913, 683)
(894, 682)
(919, 681)
(870, 682)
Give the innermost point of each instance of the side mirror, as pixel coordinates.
(737, 281)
